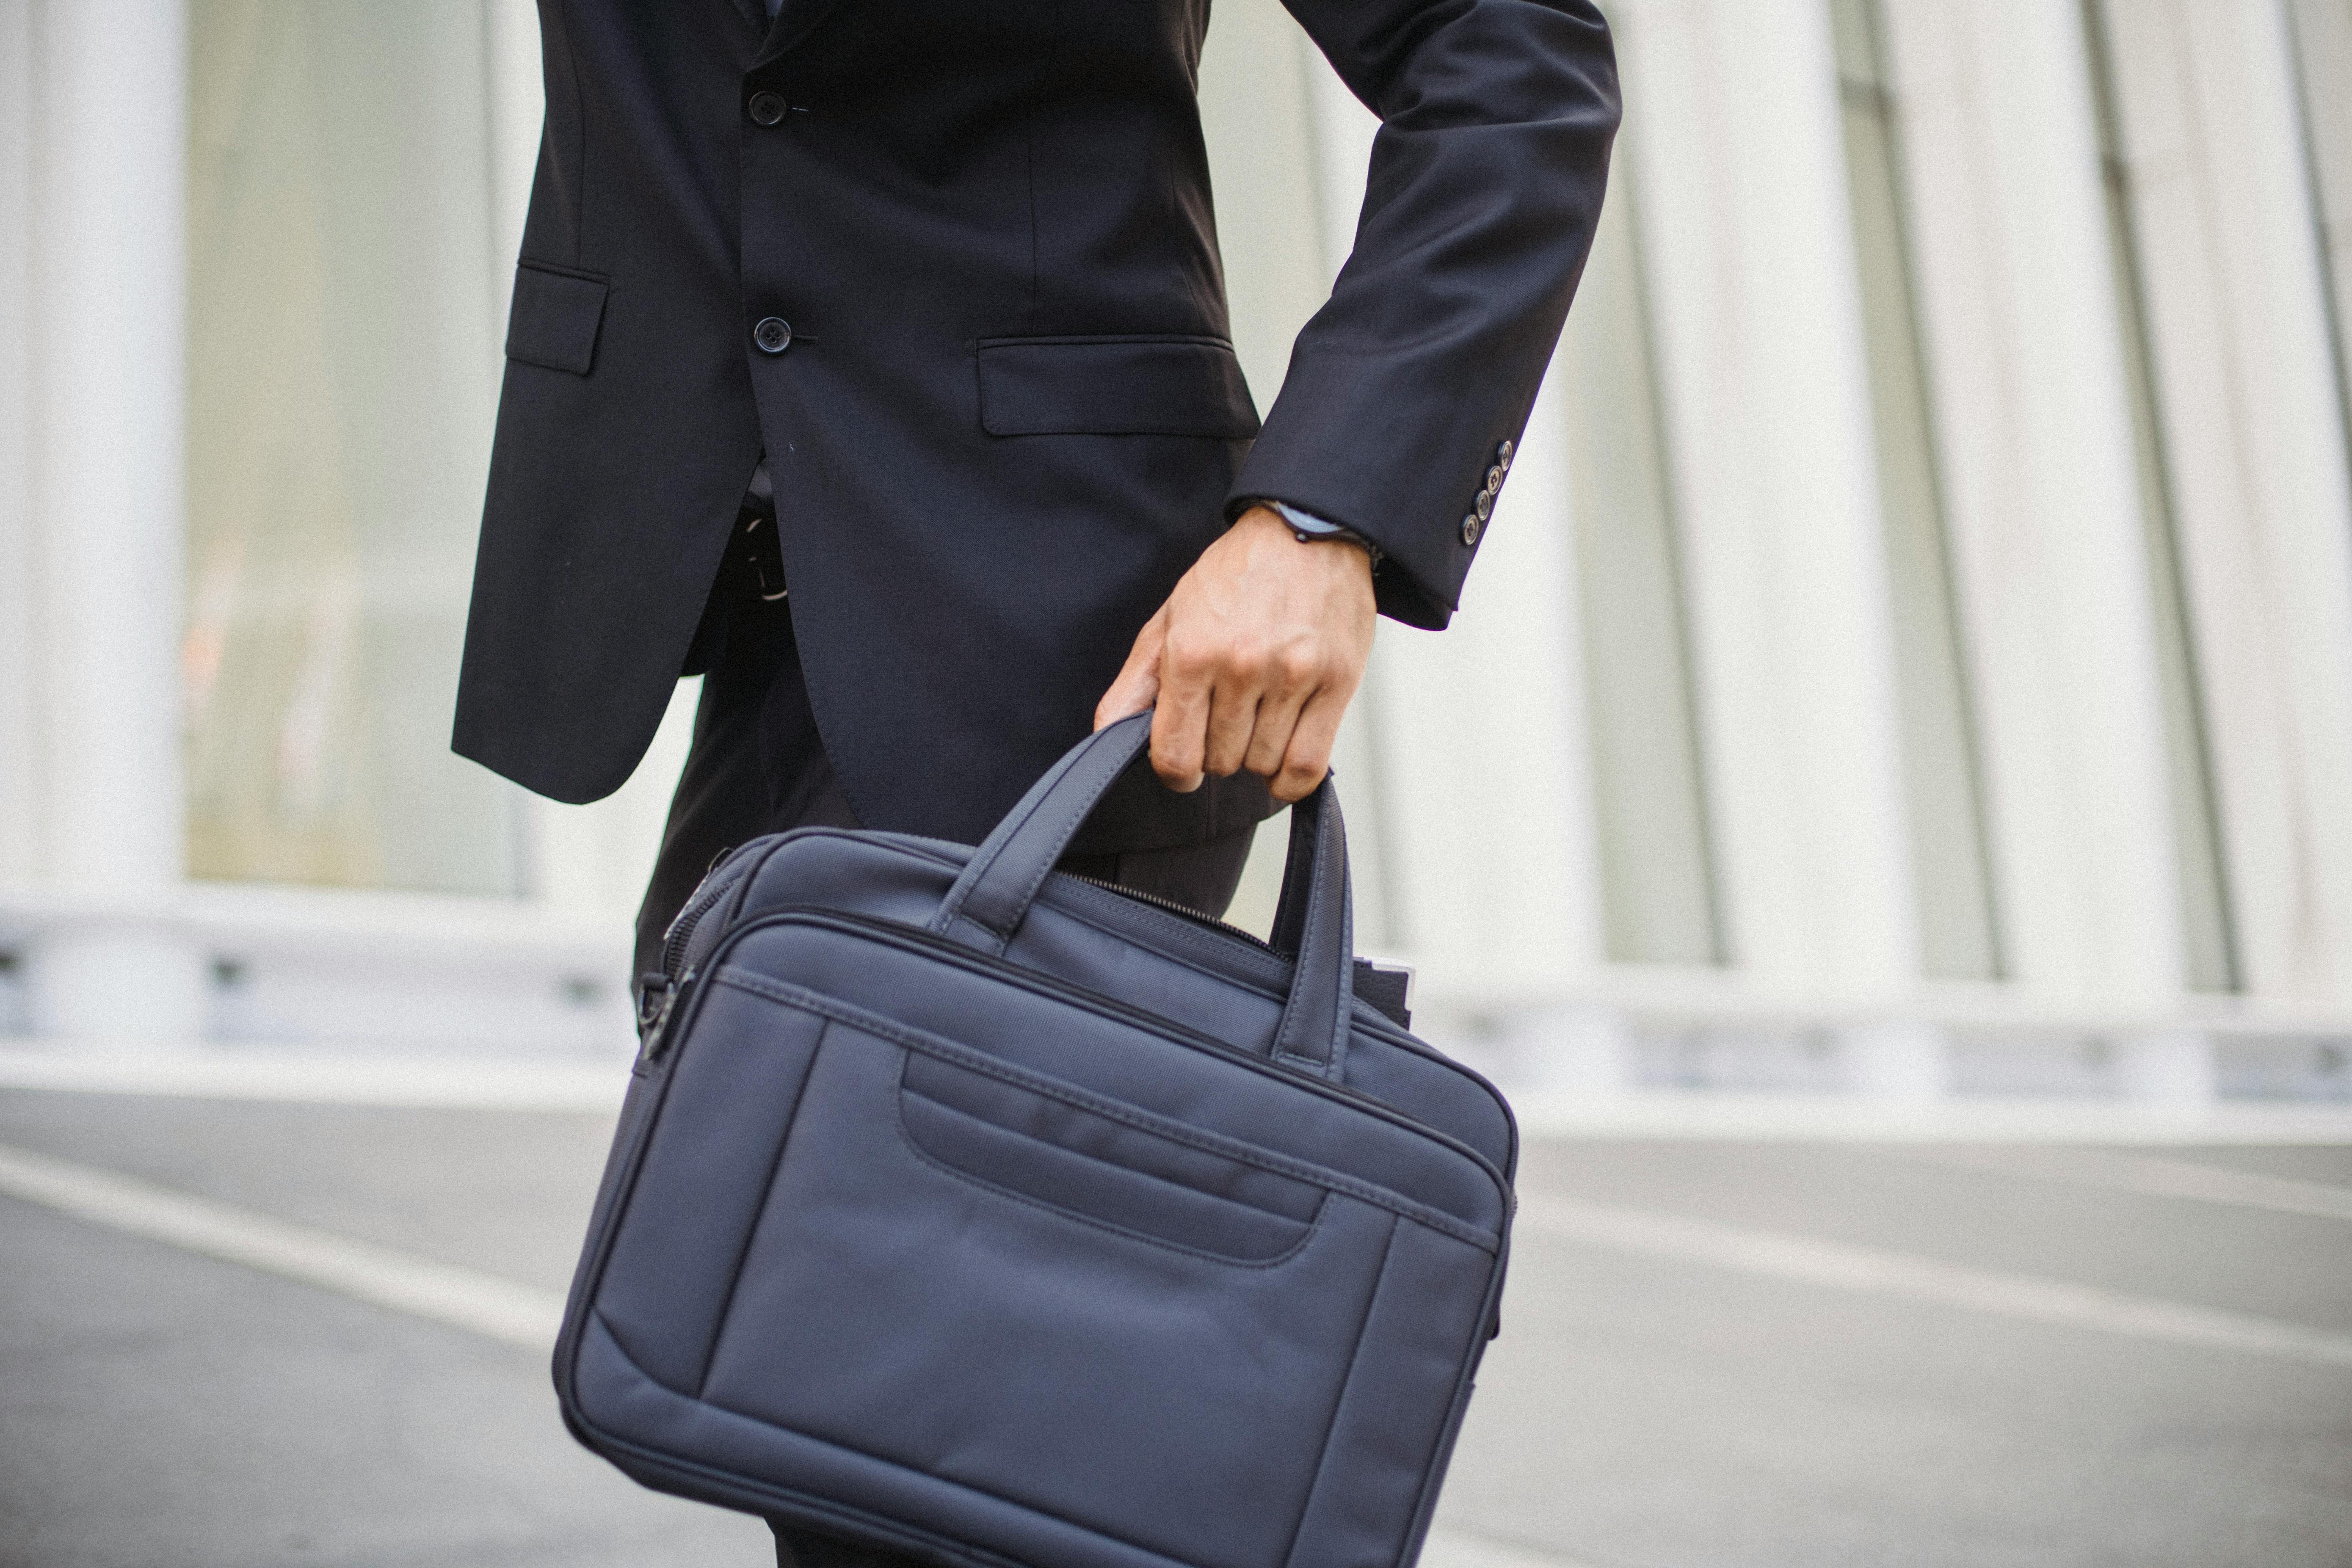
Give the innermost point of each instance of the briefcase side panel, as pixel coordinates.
(733, 1095)
(1432, 1087)
(1389, 1437)
(629, 1130)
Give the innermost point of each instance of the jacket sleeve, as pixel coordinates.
(1487, 174)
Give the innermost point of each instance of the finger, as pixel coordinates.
(1138, 681)
(1233, 717)
(1308, 757)
(1237, 675)
(1180, 722)
(1295, 679)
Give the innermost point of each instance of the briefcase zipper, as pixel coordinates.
(1173, 907)
(681, 930)
(682, 926)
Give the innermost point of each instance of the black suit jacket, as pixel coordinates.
(1008, 415)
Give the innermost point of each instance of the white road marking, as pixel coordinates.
(2151, 1177)
(1737, 1116)
(1447, 1547)
(1874, 1271)
(326, 1077)
(442, 1292)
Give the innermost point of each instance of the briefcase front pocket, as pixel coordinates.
(1038, 1148)
(981, 1276)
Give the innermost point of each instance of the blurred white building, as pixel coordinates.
(1915, 658)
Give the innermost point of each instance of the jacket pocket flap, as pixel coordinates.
(1135, 385)
(555, 318)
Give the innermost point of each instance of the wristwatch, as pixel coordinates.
(1310, 528)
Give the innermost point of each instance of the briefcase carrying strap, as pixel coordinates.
(1313, 919)
(921, 1247)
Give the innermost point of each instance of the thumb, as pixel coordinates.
(1137, 683)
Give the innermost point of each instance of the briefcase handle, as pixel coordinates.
(1313, 926)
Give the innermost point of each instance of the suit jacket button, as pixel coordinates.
(1485, 506)
(773, 334)
(1470, 527)
(1494, 479)
(767, 108)
(1503, 456)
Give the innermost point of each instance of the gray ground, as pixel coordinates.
(165, 1410)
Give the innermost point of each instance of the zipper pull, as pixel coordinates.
(653, 994)
(658, 1031)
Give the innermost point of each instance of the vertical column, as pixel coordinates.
(1652, 839)
(1746, 225)
(1959, 937)
(19, 735)
(2321, 39)
(2256, 440)
(108, 359)
(2034, 424)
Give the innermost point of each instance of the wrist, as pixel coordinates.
(1310, 528)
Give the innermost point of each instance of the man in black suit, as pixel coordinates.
(871, 356)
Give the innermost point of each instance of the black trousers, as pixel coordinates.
(757, 766)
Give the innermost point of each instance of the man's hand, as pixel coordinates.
(1252, 658)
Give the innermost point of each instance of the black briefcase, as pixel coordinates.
(968, 1208)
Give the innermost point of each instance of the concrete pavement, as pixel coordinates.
(1758, 1353)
